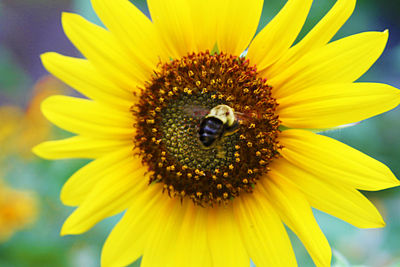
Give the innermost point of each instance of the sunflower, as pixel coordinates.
(154, 88)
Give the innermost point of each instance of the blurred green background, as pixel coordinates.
(31, 27)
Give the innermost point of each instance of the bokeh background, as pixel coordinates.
(31, 213)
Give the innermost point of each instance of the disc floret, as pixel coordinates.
(169, 113)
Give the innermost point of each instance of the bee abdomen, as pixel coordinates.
(210, 130)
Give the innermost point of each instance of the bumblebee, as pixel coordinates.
(218, 122)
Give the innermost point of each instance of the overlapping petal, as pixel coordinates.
(331, 105)
(88, 118)
(331, 160)
(82, 182)
(134, 31)
(262, 231)
(81, 75)
(223, 229)
(270, 44)
(333, 198)
(112, 194)
(294, 209)
(319, 36)
(192, 26)
(237, 24)
(132, 232)
(342, 61)
(186, 26)
(205, 21)
(102, 49)
(190, 245)
(173, 22)
(163, 234)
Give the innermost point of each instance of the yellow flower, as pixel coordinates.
(202, 188)
(18, 209)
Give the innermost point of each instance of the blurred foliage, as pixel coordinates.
(31, 27)
(21, 129)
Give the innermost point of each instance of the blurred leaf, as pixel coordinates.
(20, 129)
(84, 8)
(136, 263)
(339, 260)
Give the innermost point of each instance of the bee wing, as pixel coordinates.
(196, 111)
(241, 116)
(247, 116)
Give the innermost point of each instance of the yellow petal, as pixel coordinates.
(237, 24)
(192, 240)
(78, 147)
(174, 24)
(134, 30)
(190, 245)
(262, 231)
(296, 212)
(185, 26)
(81, 75)
(82, 182)
(276, 38)
(132, 232)
(205, 21)
(334, 161)
(342, 61)
(320, 35)
(88, 118)
(225, 243)
(331, 197)
(163, 234)
(112, 194)
(331, 105)
(103, 50)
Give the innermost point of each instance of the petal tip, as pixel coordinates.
(385, 35)
(395, 182)
(45, 105)
(44, 57)
(66, 15)
(38, 151)
(45, 150)
(68, 20)
(380, 223)
(49, 57)
(62, 196)
(70, 227)
(63, 231)
(66, 198)
(391, 180)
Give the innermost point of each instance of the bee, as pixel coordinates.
(219, 122)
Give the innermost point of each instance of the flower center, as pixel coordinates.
(206, 127)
